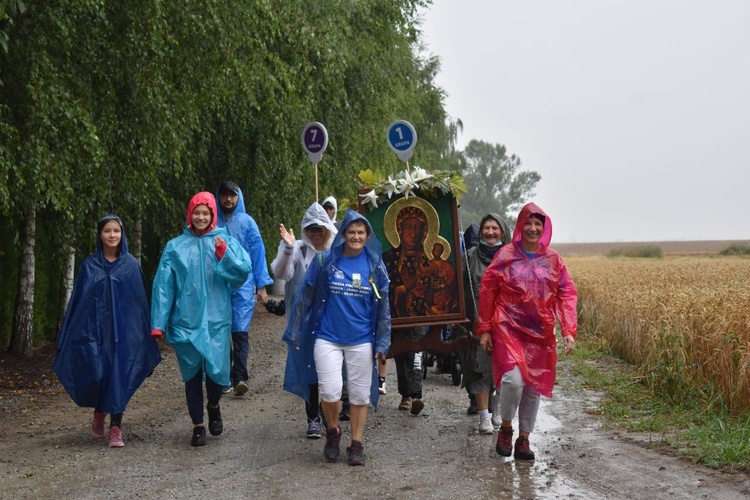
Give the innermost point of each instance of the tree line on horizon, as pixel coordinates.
(135, 106)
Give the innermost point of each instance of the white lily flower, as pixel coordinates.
(370, 198)
(390, 187)
(420, 174)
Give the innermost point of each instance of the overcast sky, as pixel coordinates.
(635, 113)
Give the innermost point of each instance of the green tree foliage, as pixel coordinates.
(494, 183)
(134, 106)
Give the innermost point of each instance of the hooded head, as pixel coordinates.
(316, 215)
(501, 222)
(202, 198)
(372, 244)
(330, 203)
(100, 226)
(527, 211)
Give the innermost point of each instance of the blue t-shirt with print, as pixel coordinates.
(347, 318)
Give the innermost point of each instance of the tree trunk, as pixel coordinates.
(67, 285)
(135, 243)
(23, 320)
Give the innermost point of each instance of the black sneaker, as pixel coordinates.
(356, 453)
(199, 436)
(333, 438)
(215, 425)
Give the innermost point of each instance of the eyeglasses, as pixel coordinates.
(316, 230)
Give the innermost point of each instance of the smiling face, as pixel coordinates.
(318, 236)
(531, 233)
(491, 232)
(111, 235)
(201, 219)
(355, 237)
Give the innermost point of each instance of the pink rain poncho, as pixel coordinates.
(519, 300)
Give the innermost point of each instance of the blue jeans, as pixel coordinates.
(240, 352)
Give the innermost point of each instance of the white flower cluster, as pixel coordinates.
(406, 182)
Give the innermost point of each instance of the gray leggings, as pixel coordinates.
(514, 393)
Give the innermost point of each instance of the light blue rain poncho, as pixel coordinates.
(311, 300)
(191, 297)
(245, 230)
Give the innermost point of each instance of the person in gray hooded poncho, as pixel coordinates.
(291, 263)
(476, 363)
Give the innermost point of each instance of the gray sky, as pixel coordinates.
(635, 113)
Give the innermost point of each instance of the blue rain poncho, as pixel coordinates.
(105, 350)
(311, 300)
(191, 296)
(245, 230)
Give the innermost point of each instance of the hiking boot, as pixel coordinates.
(405, 404)
(333, 438)
(115, 437)
(199, 436)
(505, 441)
(356, 453)
(344, 413)
(313, 428)
(97, 426)
(523, 449)
(381, 386)
(416, 406)
(241, 388)
(215, 424)
(485, 426)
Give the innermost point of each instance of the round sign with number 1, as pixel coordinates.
(402, 138)
(314, 141)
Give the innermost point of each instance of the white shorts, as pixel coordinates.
(329, 359)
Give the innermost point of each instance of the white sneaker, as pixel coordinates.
(485, 426)
(381, 387)
(496, 420)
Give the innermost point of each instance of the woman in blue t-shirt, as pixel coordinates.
(341, 316)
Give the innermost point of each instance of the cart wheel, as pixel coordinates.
(456, 373)
(424, 365)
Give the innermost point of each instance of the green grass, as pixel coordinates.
(736, 250)
(696, 425)
(642, 252)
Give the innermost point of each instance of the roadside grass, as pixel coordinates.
(696, 424)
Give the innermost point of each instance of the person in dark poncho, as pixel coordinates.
(105, 350)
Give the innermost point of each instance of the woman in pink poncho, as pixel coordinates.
(524, 290)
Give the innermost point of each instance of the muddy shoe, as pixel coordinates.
(97, 426)
(199, 436)
(115, 437)
(241, 388)
(523, 449)
(405, 404)
(504, 445)
(356, 453)
(331, 450)
(215, 424)
(416, 406)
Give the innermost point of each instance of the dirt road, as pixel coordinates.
(46, 450)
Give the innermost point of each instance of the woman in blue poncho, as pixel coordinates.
(191, 302)
(104, 350)
(341, 315)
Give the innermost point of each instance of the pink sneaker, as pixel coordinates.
(97, 427)
(115, 437)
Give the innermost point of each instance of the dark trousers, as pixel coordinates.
(240, 352)
(409, 379)
(194, 396)
(313, 407)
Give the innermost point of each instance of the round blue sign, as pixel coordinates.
(314, 140)
(402, 138)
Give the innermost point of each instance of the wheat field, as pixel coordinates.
(683, 320)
